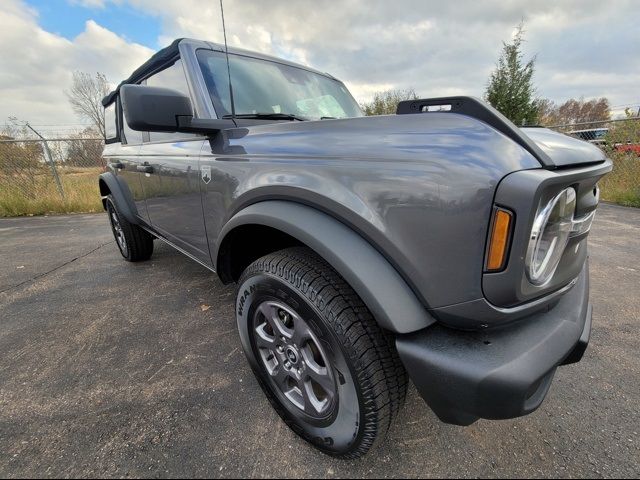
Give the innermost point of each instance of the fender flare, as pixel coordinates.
(121, 195)
(385, 293)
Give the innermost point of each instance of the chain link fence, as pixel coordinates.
(60, 175)
(620, 140)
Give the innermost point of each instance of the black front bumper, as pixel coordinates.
(501, 373)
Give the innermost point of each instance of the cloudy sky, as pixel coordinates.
(587, 48)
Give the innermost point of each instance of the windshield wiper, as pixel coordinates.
(267, 116)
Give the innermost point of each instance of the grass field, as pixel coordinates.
(622, 185)
(38, 194)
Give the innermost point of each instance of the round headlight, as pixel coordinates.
(549, 236)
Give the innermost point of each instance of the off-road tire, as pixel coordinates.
(369, 376)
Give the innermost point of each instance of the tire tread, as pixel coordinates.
(371, 350)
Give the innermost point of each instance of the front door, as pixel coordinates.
(171, 177)
(172, 190)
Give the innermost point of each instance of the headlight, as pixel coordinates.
(549, 236)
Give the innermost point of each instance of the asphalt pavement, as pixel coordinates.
(109, 368)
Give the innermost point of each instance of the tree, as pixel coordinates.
(86, 96)
(19, 157)
(510, 89)
(573, 111)
(84, 150)
(581, 111)
(386, 103)
(548, 112)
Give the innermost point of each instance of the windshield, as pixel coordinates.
(265, 87)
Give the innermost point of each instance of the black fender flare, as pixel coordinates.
(121, 195)
(382, 289)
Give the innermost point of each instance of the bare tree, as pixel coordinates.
(85, 96)
(573, 111)
(386, 103)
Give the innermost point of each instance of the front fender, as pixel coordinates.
(382, 289)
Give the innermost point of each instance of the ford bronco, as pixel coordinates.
(442, 244)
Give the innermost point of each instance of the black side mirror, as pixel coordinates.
(155, 109)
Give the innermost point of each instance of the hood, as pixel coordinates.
(564, 151)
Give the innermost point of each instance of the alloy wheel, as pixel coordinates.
(294, 359)
(118, 233)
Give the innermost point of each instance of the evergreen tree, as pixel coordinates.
(510, 89)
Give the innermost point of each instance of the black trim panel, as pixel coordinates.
(498, 373)
(379, 285)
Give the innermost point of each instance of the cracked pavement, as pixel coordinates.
(115, 369)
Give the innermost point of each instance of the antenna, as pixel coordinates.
(226, 52)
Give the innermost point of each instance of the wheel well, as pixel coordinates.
(104, 191)
(245, 244)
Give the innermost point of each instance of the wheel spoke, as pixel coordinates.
(263, 339)
(312, 404)
(323, 379)
(301, 331)
(270, 312)
(267, 310)
(281, 377)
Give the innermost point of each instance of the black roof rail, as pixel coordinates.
(476, 108)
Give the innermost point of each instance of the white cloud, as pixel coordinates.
(438, 48)
(583, 47)
(36, 65)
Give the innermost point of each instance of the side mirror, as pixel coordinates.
(155, 109)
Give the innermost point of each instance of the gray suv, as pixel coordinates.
(441, 244)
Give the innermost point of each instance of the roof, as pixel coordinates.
(162, 57)
(158, 60)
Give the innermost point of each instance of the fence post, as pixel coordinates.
(49, 159)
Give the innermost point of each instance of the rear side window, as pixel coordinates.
(110, 123)
(174, 78)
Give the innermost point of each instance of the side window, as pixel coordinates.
(172, 77)
(110, 123)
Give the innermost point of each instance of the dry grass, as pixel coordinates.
(622, 185)
(38, 195)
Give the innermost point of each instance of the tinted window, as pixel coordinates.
(173, 78)
(110, 125)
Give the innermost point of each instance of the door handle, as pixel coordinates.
(145, 168)
(116, 166)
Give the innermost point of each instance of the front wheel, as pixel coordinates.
(328, 369)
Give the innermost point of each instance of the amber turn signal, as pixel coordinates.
(499, 240)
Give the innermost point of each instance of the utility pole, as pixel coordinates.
(49, 159)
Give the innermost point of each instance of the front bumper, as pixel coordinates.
(499, 373)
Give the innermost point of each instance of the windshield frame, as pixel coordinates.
(220, 113)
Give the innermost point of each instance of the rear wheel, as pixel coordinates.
(134, 243)
(324, 363)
